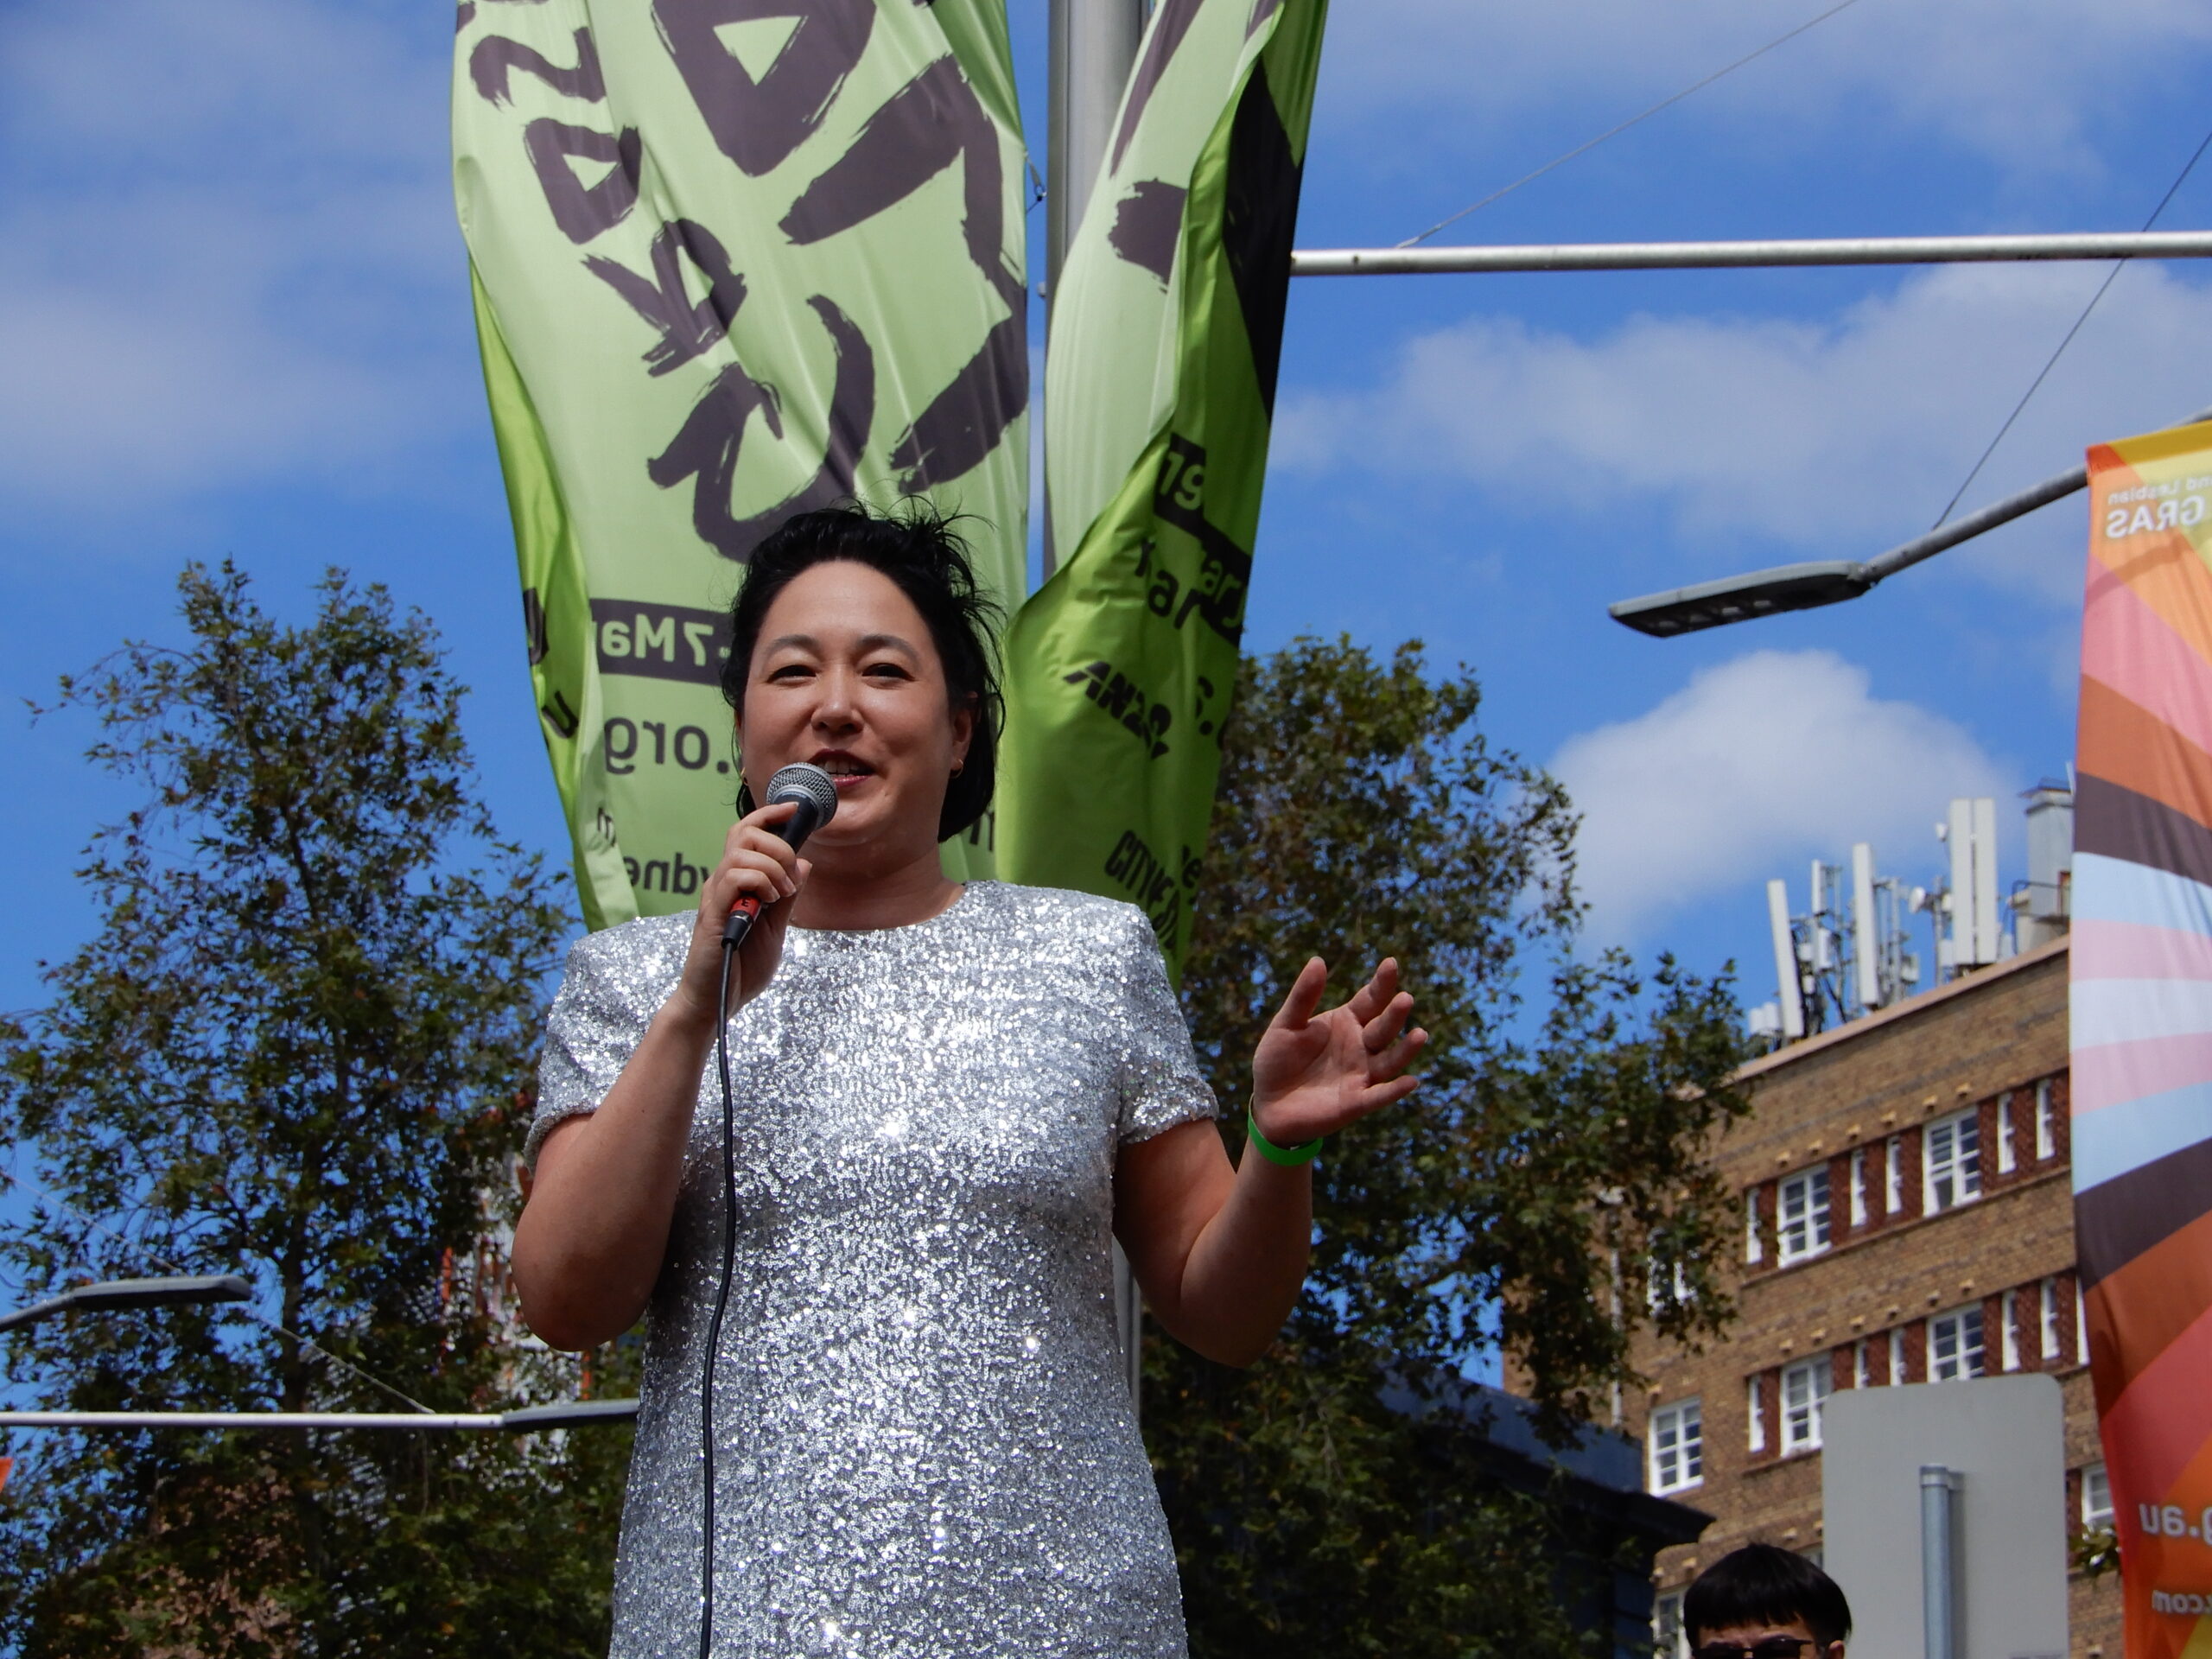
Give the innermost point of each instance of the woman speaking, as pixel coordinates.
(946, 1098)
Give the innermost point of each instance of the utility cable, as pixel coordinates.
(1592, 143)
(2118, 266)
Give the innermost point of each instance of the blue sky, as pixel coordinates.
(234, 320)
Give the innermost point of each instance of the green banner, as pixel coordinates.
(1159, 391)
(733, 258)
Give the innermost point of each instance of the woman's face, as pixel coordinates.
(845, 675)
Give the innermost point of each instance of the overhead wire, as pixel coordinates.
(1665, 102)
(2051, 363)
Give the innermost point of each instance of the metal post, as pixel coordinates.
(1093, 46)
(1754, 255)
(1942, 1593)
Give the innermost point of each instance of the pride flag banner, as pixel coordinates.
(2142, 1019)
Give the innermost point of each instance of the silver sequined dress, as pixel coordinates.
(924, 1448)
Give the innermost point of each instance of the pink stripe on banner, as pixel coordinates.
(2113, 1074)
(2129, 647)
(2138, 951)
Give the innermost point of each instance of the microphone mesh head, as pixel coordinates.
(805, 781)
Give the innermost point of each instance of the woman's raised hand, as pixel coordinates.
(759, 863)
(1316, 1073)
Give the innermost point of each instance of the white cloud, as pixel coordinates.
(2021, 81)
(1750, 770)
(226, 250)
(1841, 435)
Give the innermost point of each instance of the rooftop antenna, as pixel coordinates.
(1866, 940)
(1786, 970)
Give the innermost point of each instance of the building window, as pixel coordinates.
(1951, 1174)
(1755, 1408)
(1669, 1639)
(1752, 1248)
(1862, 1365)
(2046, 1122)
(1896, 1354)
(2051, 1318)
(2008, 1335)
(1802, 1229)
(1954, 1351)
(1668, 1285)
(2081, 1324)
(2007, 1162)
(1893, 1175)
(1804, 1390)
(1858, 1216)
(2096, 1496)
(1677, 1441)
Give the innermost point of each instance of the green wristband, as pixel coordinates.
(1289, 1157)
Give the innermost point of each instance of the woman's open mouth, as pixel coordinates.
(847, 771)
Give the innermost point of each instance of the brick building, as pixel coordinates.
(1908, 1217)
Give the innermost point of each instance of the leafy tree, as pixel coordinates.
(299, 1047)
(1526, 1197)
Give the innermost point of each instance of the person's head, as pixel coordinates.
(861, 641)
(1768, 1603)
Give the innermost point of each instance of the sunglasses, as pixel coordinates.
(1769, 1647)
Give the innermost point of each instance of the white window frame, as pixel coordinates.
(1807, 1232)
(1857, 1188)
(2007, 1156)
(2046, 1123)
(1753, 1249)
(2051, 1318)
(1674, 1439)
(1969, 1358)
(1805, 1388)
(2009, 1334)
(1669, 1639)
(1755, 1431)
(2081, 1324)
(1862, 1369)
(1958, 1165)
(1896, 1354)
(2096, 1495)
(1893, 1176)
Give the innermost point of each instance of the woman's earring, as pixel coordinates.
(958, 765)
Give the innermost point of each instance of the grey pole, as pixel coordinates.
(1092, 47)
(1718, 256)
(1942, 1596)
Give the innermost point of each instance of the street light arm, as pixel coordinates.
(115, 1295)
(1803, 587)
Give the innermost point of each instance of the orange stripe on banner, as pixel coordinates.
(2149, 1303)
(2162, 1420)
(2124, 743)
(2181, 1567)
(2166, 571)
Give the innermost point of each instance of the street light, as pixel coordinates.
(1802, 587)
(113, 1294)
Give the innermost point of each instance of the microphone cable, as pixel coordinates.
(722, 1306)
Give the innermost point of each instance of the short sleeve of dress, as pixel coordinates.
(1161, 1084)
(589, 1037)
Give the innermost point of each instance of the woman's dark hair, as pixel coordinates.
(919, 550)
(1762, 1583)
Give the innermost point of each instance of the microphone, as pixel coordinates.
(808, 784)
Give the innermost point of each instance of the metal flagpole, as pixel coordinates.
(573, 1413)
(1092, 48)
(1755, 255)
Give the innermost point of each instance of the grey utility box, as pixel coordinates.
(1945, 1518)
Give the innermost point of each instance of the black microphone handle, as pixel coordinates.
(794, 830)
